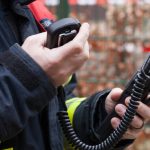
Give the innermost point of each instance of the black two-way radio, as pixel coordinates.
(63, 31)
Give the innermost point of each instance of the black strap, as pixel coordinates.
(61, 96)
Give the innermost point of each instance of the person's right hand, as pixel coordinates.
(59, 63)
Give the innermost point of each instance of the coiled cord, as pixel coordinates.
(111, 141)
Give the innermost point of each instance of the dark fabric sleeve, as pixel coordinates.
(89, 116)
(84, 117)
(24, 91)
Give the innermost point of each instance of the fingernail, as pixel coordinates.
(115, 122)
(127, 101)
(120, 109)
(86, 24)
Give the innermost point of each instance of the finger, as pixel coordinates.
(137, 122)
(112, 98)
(115, 122)
(143, 110)
(86, 49)
(83, 34)
(77, 45)
(114, 94)
(147, 101)
(130, 133)
(39, 39)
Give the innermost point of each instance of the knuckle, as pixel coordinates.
(30, 38)
(78, 46)
(54, 62)
(86, 56)
(63, 75)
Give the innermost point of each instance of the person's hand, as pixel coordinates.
(137, 124)
(59, 63)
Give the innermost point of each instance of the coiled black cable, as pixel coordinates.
(111, 141)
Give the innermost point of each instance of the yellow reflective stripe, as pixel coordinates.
(69, 79)
(8, 149)
(70, 101)
(72, 107)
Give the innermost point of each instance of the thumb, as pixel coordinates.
(115, 94)
(83, 34)
(40, 39)
(77, 45)
(112, 98)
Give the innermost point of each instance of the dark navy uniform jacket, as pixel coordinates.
(28, 100)
(27, 96)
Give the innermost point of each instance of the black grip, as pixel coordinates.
(106, 128)
(61, 31)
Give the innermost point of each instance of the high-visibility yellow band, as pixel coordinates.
(8, 149)
(69, 79)
(70, 101)
(74, 103)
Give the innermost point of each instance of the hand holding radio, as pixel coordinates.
(59, 62)
(136, 125)
(137, 89)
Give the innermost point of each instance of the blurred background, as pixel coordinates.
(119, 43)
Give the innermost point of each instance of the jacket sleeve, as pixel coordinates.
(87, 114)
(24, 91)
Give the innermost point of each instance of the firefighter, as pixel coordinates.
(30, 75)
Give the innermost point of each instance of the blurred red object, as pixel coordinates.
(146, 48)
(102, 2)
(72, 2)
(132, 1)
(40, 11)
(43, 1)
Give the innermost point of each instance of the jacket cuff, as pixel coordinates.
(89, 115)
(26, 70)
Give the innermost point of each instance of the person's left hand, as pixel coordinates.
(138, 122)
